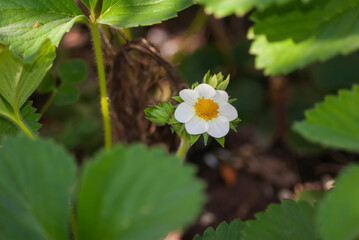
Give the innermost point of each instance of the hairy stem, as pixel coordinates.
(183, 147)
(103, 87)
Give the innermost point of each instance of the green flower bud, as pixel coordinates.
(160, 114)
(216, 81)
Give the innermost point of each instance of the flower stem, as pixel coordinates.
(20, 123)
(103, 87)
(183, 147)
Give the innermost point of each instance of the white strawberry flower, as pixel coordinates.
(205, 110)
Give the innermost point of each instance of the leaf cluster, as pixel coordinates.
(18, 80)
(129, 192)
(331, 218)
(289, 35)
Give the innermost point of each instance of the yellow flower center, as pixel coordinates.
(206, 108)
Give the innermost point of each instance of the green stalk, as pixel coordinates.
(183, 148)
(21, 124)
(103, 87)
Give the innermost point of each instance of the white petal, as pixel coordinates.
(221, 97)
(184, 112)
(218, 127)
(228, 111)
(189, 95)
(196, 126)
(205, 90)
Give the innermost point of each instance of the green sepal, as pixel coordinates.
(194, 85)
(178, 99)
(207, 77)
(182, 128)
(220, 141)
(234, 124)
(205, 138)
(173, 121)
(216, 81)
(219, 78)
(232, 100)
(223, 85)
(213, 81)
(194, 138)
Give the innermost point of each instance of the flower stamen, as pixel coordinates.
(206, 108)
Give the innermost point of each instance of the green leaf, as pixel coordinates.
(220, 141)
(36, 180)
(47, 85)
(91, 4)
(294, 35)
(226, 7)
(132, 192)
(29, 116)
(67, 94)
(339, 213)
(19, 79)
(334, 122)
(194, 138)
(73, 71)
(26, 24)
(130, 13)
(233, 231)
(289, 220)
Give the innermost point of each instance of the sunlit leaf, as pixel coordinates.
(129, 13)
(334, 122)
(19, 79)
(26, 24)
(297, 34)
(226, 7)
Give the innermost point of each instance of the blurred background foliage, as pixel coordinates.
(263, 162)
